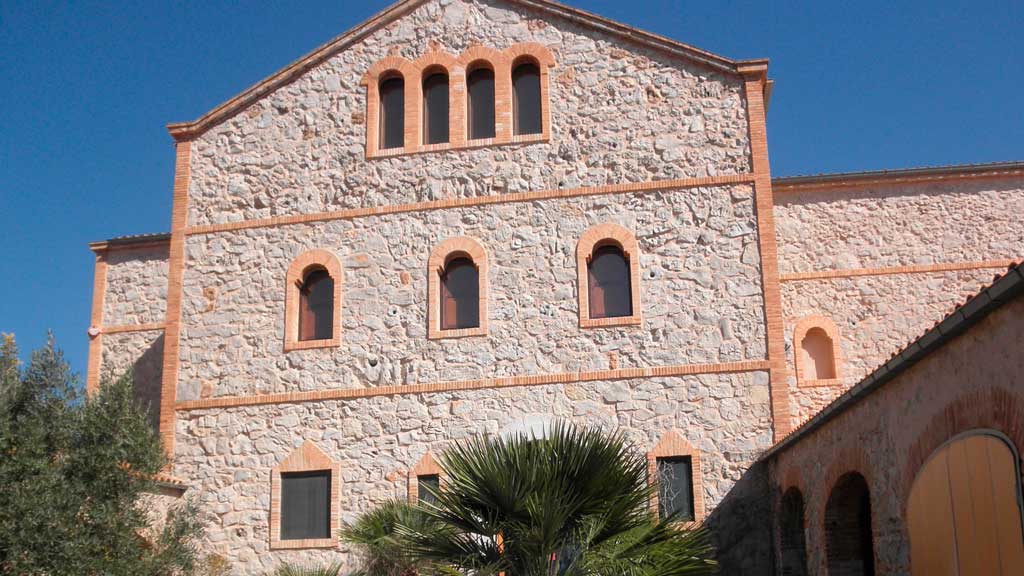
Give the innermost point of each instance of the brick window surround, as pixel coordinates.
(307, 261)
(593, 238)
(673, 444)
(427, 466)
(439, 257)
(306, 458)
(413, 72)
(800, 332)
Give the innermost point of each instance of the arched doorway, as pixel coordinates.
(964, 511)
(849, 547)
(791, 534)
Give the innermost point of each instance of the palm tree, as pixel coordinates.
(571, 503)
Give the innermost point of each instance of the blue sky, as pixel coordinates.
(86, 89)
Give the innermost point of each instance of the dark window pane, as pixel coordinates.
(427, 487)
(435, 109)
(526, 105)
(675, 487)
(460, 295)
(316, 306)
(392, 113)
(481, 103)
(305, 505)
(610, 290)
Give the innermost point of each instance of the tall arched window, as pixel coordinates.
(849, 546)
(435, 107)
(791, 534)
(526, 103)
(392, 112)
(609, 283)
(457, 289)
(312, 317)
(316, 306)
(460, 294)
(480, 89)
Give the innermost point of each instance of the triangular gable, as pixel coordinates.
(184, 131)
(305, 458)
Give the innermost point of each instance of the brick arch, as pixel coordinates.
(844, 551)
(542, 56)
(438, 259)
(427, 466)
(992, 409)
(805, 325)
(296, 272)
(378, 71)
(592, 238)
(673, 443)
(498, 62)
(538, 52)
(430, 61)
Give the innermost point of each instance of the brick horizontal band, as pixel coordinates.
(918, 269)
(133, 328)
(483, 383)
(477, 201)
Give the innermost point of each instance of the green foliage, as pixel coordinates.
(75, 472)
(296, 570)
(576, 502)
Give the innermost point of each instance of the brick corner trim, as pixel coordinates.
(306, 458)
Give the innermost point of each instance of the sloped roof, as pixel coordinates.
(922, 174)
(189, 130)
(1003, 289)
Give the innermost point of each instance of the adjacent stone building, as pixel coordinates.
(470, 217)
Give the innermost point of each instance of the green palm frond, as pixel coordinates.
(297, 570)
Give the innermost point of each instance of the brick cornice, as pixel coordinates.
(917, 269)
(531, 196)
(480, 384)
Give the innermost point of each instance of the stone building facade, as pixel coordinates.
(645, 142)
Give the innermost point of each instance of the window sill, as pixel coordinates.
(634, 320)
(312, 344)
(307, 543)
(822, 383)
(465, 145)
(457, 333)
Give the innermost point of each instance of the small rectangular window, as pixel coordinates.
(675, 487)
(427, 487)
(306, 505)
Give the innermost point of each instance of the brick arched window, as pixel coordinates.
(674, 467)
(791, 534)
(480, 101)
(435, 106)
(816, 352)
(527, 105)
(457, 289)
(313, 301)
(608, 269)
(392, 111)
(849, 545)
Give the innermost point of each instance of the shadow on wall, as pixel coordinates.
(741, 526)
(147, 374)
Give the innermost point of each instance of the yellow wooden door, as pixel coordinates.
(964, 514)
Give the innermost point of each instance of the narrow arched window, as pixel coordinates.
(791, 534)
(435, 108)
(819, 355)
(609, 283)
(526, 104)
(316, 306)
(460, 294)
(480, 88)
(392, 112)
(849, 546)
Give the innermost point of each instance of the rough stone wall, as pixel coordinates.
(882, 227)
(900, 225)
(136, 286)
(700, 291)
(876, 317)
(619, 113)
(143, 354)
(976, 381)
(227, 454)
